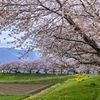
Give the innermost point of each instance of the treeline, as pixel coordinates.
(25, 66)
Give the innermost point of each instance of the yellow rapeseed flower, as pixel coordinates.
(78, 77)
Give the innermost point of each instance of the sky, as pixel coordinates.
(11, 55)
(3, 43)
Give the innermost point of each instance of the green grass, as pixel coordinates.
(85, 89)
(13, 97)
(7, 78)
(16, 78)
(25, 76)
(50, 81)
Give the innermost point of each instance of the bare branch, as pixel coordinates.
(69, 39)
(59, 3)
(90, 63)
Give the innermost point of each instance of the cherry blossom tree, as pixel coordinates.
(10, 66)
(25, 66)
(59, 29)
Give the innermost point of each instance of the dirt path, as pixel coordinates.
(22, 88)
(38, 89)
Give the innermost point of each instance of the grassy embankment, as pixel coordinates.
(77, 87)
(13, 97)
(81, 87)
(25, 76)
(32, 78)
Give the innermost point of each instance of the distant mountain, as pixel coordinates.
(7, 54)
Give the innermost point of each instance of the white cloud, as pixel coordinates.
(15, 54)
(19, 56)
(4, 44)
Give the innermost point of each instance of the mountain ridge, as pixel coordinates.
(7, 54)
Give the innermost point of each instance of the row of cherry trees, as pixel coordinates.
(28, 66)
(37, 65)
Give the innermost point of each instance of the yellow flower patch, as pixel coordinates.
(78, 77)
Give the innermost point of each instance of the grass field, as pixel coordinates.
(25, 76)
(67, 87)
(26, 79)
(84, 88)
(33, 78)
(13, 97)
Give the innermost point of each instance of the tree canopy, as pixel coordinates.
(59, 29)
